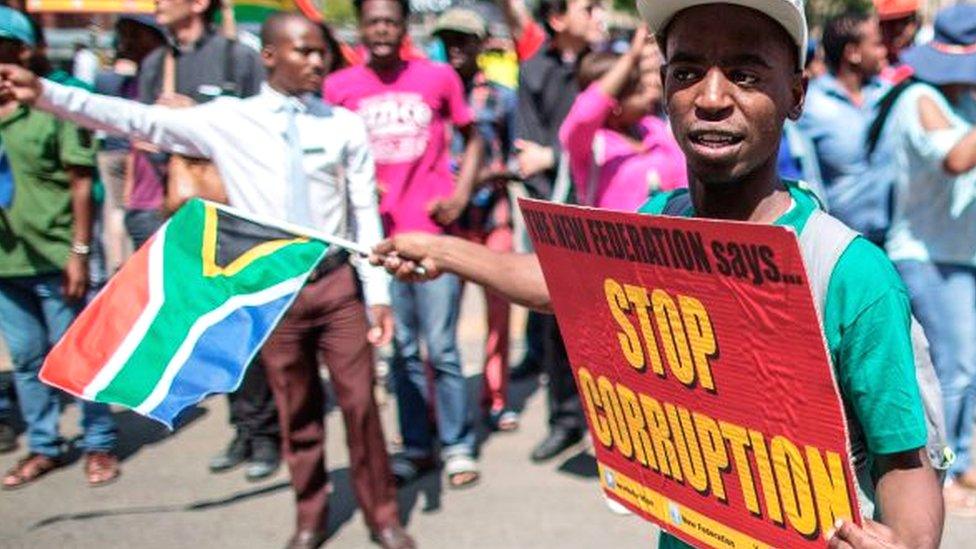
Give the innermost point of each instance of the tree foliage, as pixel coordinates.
(338, 12)
(819, 11)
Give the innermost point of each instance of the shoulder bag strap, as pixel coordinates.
(169, 73)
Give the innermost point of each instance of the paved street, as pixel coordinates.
(166, 498)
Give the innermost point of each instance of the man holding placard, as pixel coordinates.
(732, 77)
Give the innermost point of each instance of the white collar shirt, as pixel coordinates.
(245, 138)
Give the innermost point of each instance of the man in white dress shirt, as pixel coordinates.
(283, 153)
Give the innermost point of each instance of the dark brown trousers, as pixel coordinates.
(329, 317)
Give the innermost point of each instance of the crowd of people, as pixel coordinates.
(420, 151)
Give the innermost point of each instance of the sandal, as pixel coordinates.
(503, 421)
(29, 469)
(406, 470)
(101, 468)
(462, 471)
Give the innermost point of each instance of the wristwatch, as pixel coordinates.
(78, 248)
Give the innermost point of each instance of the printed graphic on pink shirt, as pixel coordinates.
(398, 125)
(408, 114)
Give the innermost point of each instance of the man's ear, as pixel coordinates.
(557, 22)
(799, 92)
(198, 7)
(851, 54)
(267, 56)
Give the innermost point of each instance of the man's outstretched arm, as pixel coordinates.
(516, 277)
(174, 130)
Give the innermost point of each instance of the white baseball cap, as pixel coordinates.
(788, 13)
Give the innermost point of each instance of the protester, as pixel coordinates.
(900, 22)
(136, 36)
(930, 127)
(488, 216)
(733, 75)
(614, 134)
(207, 65)
(840, 107)
(408, 105)
(44, 263)
(273, 173)
(547, 89)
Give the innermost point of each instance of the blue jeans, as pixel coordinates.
(34, 316)
(142, 224)
(944, 301)
(429, 311)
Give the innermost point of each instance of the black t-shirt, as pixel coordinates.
(200, 70)
(547, 90)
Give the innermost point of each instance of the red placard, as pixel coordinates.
(703, 372)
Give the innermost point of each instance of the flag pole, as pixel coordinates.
(344, 243)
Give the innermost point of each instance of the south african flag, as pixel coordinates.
(186, 314)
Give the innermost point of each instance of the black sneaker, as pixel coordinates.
(8, 438)
(235, 454)
(555, 442)
(265, 459)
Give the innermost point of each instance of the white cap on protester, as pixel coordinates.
(788, 13)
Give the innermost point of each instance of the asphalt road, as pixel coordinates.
(166, 497)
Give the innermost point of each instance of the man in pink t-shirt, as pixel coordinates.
(409, 107)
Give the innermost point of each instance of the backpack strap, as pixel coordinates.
(822, 242)
(229, 85)
(885, 106)
(677, 203)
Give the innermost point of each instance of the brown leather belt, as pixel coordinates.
(329, 264)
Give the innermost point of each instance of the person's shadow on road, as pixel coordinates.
(135, 432)
(343, 505)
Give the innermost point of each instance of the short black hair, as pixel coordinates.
(404, 7)
(548, 8)
(213, 8)
(840, 32)
(272, 25)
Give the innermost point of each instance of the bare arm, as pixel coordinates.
(962, 157)
(75, 280)
(516, 15)
(445, 210)
(516, 277)
(909, 498)
(614, 81)
(183, 131)
(474, 157)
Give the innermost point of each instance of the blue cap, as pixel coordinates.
(16, 26)
(950, 58)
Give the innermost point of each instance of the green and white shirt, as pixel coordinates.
(866, 320)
